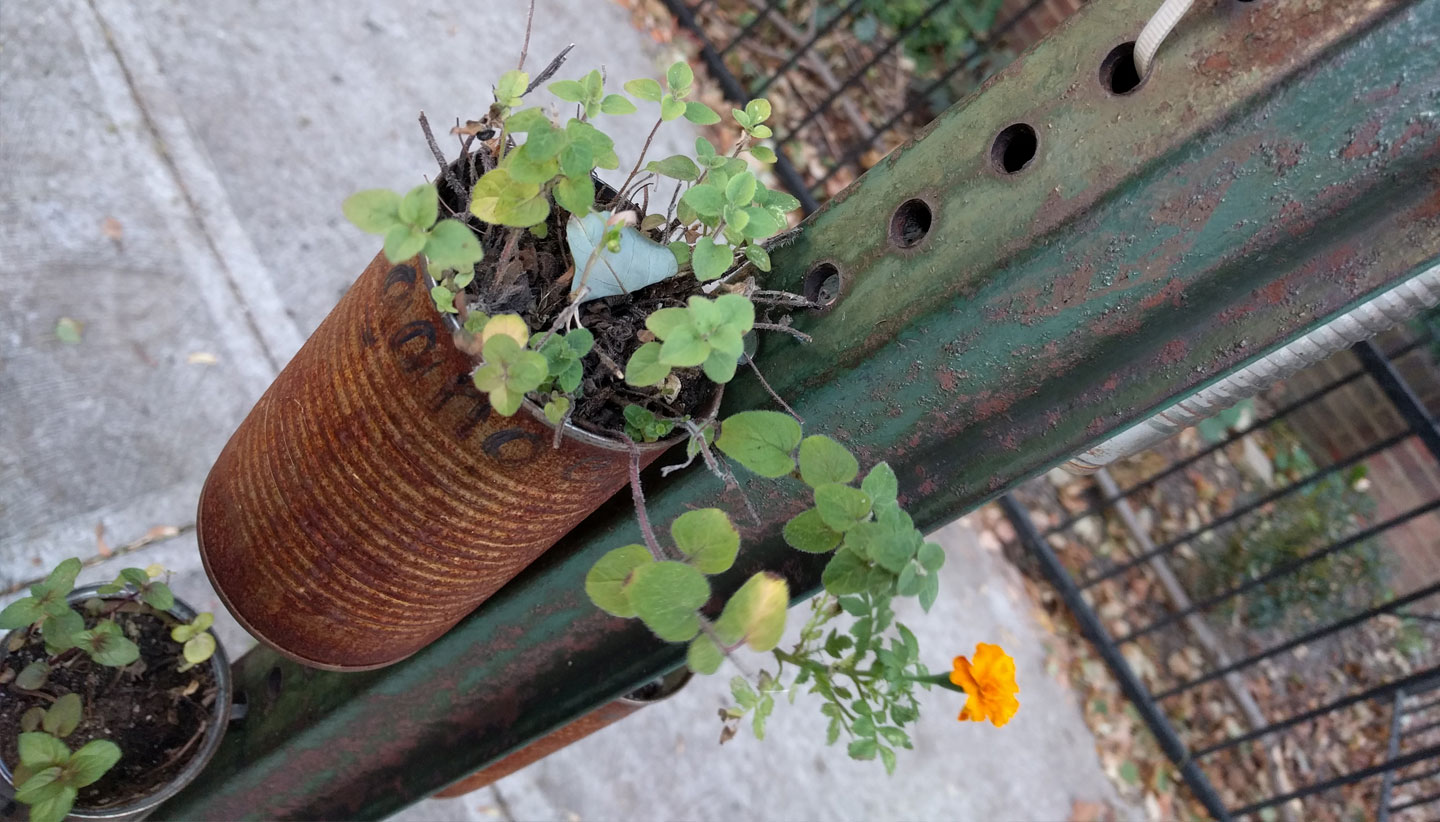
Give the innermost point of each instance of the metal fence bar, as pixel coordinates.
(1377, 692)
(1259, 425)
(800, 52)
(1400, 394)
(825, 104)
(1420, 729)
(1227, 518)
(1392, 747)
(1417, 777)
(770, 6)
(1282, 569)
(1425, 706)
(1130, 684)
(1341, 781)
(1319, 633)
(1424, 800)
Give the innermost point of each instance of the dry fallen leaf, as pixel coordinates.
(201, 358)
(112, 228)
(100, 544)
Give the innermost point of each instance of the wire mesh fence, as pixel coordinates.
(1265, 589)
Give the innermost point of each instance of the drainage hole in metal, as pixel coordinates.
(1014, 148)
(910, 224)
(1118, 72)
(822, 285)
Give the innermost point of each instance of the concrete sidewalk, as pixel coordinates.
(172, 179)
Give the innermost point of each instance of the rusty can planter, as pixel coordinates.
(371, 499)
(567, 735)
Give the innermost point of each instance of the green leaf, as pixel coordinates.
(887, 756)
(708, 538)
(908, 584)
(762, 441)
(929, 590)
(616, 104)
(740, 190)
(764, 154)
(703, 657)
(420, 207)
(511, 87)
(824, 461)
(107, 645)
(809, 533)
(92, 761)
(41, 750)
(700, 114)
(199, 648)
(760, 222)
(53, 806)
(556, 409)
(881, 484)
(576, 195)
(42, 784)
(757, 255)
(761, 132)
(671, 108)
(452, 244)
(576, 160)
(60, 581)
(135, 576)
(684, 349)
(757, 110)
(645, 368)
(677, 166)
(841, 506)
(597, 141)
(500, 200)
(720, 366)
(681, 250)
(931, 556)
(666, 596)
(572, 91)
(528, 168)
(33, 676)
(63, 715)
(679, 76)
(607, 579)
(741, 117)
(373, 211)
(159, 596)
(710, 259)
(846, 573)
(707, 200)
(645, 89)
(755, 614)
(21, 613)
(863, 748)
(403, 242)
(59, 629)
(780, 200)
(527, 120)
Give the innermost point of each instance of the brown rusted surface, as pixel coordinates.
(602, 717)
(371, 499)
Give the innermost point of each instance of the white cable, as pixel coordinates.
(1155, 32)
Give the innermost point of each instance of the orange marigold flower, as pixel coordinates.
(989, 685)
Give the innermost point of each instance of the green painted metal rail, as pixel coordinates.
(1279, 165)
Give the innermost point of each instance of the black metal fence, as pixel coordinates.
(901, 63)
(1281, 647)
(1296, 585)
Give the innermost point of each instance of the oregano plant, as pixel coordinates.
(530, 170)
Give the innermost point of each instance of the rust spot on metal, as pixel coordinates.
(1174, 352)
(1364, 143)
(948, 378)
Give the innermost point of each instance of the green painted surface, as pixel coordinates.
(1278, 166)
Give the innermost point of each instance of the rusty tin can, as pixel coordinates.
(371, 499)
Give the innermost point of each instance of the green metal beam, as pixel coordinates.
(1278, 166)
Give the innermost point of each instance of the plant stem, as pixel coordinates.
(766, 385)
(620, 192)
(799, 335)
(525, 48)
(637, 495)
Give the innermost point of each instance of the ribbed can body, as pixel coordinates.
(371, 499)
